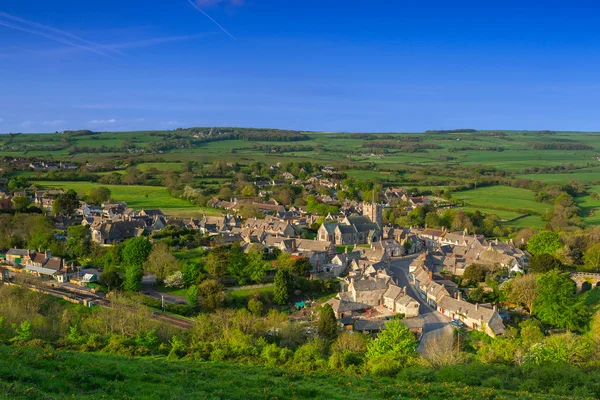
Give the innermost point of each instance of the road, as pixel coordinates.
(435, 325)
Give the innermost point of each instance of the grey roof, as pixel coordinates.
(18, 252)
(370, 284)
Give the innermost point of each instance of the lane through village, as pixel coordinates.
(435, 325)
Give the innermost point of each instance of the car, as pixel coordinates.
(458, 324)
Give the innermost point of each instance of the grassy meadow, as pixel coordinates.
(137, 197)
(49, 374)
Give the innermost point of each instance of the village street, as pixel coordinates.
(435, 325)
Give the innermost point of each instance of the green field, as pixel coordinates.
(501, 198)
(585, 175)
(49, 374)
(136, 197)
(334, 148)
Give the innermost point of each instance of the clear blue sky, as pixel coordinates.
(326, 65)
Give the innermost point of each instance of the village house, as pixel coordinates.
(272, 226)
(112, 232)
(475, 316)
(355, 229)
(397, 300)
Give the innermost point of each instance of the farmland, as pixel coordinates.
(135, 196)
(393, 159)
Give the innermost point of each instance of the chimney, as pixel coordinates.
(459, 295)
(430, 275)
(494, 308)
(346, 250)
(476, 306)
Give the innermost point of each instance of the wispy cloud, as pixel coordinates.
(51, 37)
(113, 121)
(209, 17)
(102, 121)
(154, 41)
(1, 120)
(26, 124)
(56, 31)
(57, 122)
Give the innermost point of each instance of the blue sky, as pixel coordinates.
(314, 65)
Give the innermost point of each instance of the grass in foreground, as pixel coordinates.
(49, 374)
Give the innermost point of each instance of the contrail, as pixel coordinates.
(209, 17)
(51, 37)
(54, 30)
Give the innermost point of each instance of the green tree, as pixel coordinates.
(302, 266)
(212, 294)
(523, 290)
(327, 325)
(135, 253)
(191, 295)
(65, 203)
(543, 263)
(474, 273)
(545, 242)
(557, 303)
(591, 258)
(99, 195)
(237, 265)
(24, 332)
(255, 306)
(395, 340)
(161, 262)
(249, 191)
(79, 242)
(217, 261)
(191, 273)
(20, 203)
(282, 289)
(257, 266)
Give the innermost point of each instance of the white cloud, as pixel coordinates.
(102, 121)
(26, 124)
(57, 122)
(1, 120)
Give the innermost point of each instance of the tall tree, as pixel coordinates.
(161, 262)
(65, 203)
(257, 266)
(543, 263)
(135, 253)
(282, 289)
(327, 325)
(395, 340)
(99, 195)
(591, 258)
(557, 303)
(212, 294)
(237, 264)
(523, 291)
(217, 261)
(79, 242)
(545, 242)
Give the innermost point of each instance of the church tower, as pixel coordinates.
(373, 211)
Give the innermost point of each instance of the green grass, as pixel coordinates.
(244, 293)
(136, 197)
(49, 374)
(503, 198)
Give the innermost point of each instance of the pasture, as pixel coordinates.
(136, 197)
(502, 198)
